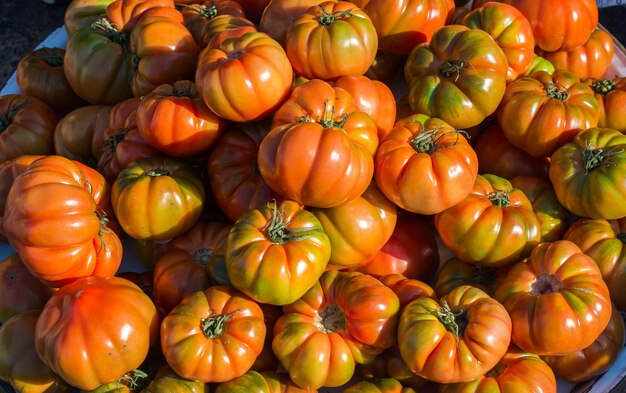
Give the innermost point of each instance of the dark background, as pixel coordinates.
(25, 23)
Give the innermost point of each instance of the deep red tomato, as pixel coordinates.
(267, 82)
(494, 226)
(556, 298)
(131, 327)
(191, 128)
(213, 335)
(370, 218)
(402, 25)
(455, 340)
(344, 319)
(19, 289)
(19, 362)
(319, 42)
(26, 126)
(411, 251)
(275, 253)
(429, 152)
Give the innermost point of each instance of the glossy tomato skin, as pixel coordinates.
(166, 380)
(200, 15)
(455, 273)
(192, 127)
(371, 218)
(586, 182)
(262, 382)
(510, 29)
(40, 74)
(157, 199)
(485, 229)
(82, 13)
(124, 14)
(431, 349)
(604, 241)
(20, 290)
(27, 126)
(19, 363)
(424, 166)
(279, 15)
(55, 223)
(402, 25)
(407, 289)
(220, 322)
(557, 276)
(459, 77)
(320, 40)
(595, 359)
(9, 170)
(131, 327)
(78, 135)
(219, 77)
(540, 64)
(567, 26)
(591, 60)
(542, 112)
(516, 371)
(234, 174)
(275, 253)
(411, 251)
(611, 96)
(345, 318)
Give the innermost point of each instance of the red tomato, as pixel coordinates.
(280, 14)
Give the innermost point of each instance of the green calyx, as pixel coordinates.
(455, 321)
(557, 92)
(500, 198)
(277, 231)
(603, 86)
(111, 143)
(331, 319)
(326, 19)
(51, 60)
(214, 326)
(429, 141)
(156, 172)
(136, 380)
(594, 158)
(453, 67)
(6, 120)
(104, 26)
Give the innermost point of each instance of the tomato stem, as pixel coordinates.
(455, 321)
(278, 232)
(326, 19)
(136, 379)
(104, 26)
(331, 319)
(5, 120)
(453, 67)
(202, 256)
(208, 12)
(50, 59)
(111, 143)
(593, 158)
(180, 90)
(329, 121)
(214, 326)
(500, 198)
(603, 86)
(428, 141)
(156, 172)
(545, 284)
(556, 91)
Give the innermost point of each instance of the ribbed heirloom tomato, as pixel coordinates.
(78, 135)
(264, 382)
(611, 96)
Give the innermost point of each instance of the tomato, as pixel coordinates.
(280, 14)
(540, 113)
(455, 273)
(611, 96)
(82, 13)
(265, 382)
(411, 251)
(157, 199)
(510, 29)
(591, 60)
(274, 254)
(199, 16)
(19, 363)
(389, 364)
(167, 380)
(267, 361)
(518, 371)
(556, 298)
(540, 64)
(402, 25)
(26, 126)
(407, 289)
(40, 75)
(426, 152)
(231, 31)
(455, 340)
(55, 224)
(162, 51)
(372, 97)
(78, 135)
(220, 71)
(459, 77)
(371, 218)
(345, 318)
(320, 40)
(121, 143)
(498, 156)
(566, 26)
(595, 359)
(234, 173)
(587, 174)
(131, 327)
(124, 14)
(494, 226)
(9, 170)
(324, 159)
(378, 385)
(191, 127)
(604, 241)
(213, 335)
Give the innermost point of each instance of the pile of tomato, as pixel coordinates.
(299, 227)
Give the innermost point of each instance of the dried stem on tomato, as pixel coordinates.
(603, 86)
(214, 326)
